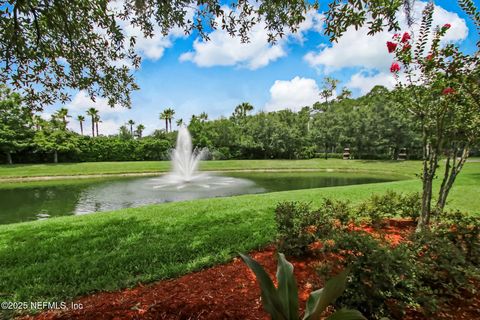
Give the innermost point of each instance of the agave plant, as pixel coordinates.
(282, 302)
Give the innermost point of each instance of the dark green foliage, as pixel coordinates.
(382, 280)
(391, 204)
(426, 271)
(282, 302)
(463, 231)
(296, 225)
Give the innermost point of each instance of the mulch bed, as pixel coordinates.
(228, 291)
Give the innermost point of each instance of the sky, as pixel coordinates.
(193, 76)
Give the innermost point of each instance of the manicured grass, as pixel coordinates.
(60, 258)
(93, 168)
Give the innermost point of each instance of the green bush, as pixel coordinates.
(425, 271)
(378, 208)
(382, 280)
(296, 227)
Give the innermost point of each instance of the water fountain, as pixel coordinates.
(185, 175)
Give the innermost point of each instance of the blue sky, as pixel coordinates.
(192, 76)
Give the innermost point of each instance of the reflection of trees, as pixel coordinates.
(25, 203)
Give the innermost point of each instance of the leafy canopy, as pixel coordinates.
(47, 47)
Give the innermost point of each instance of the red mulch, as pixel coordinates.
(228, 291)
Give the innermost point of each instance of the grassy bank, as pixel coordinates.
(65, 257)
(98, 168)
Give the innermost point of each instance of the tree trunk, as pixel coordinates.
(96, 125)
(55, 156)
(9, 157)
(93, 127)
(81, 128)
(451, 172)
(170, 123)
(166, 125)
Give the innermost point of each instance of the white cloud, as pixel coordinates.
(224, 50)
(293, 94)
(357, 49)
(365, 81)
(151, 48)
(81, 102)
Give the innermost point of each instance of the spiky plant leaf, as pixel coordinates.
(287, 287)
(270, 297)
(320, 299)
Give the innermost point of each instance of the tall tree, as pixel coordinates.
(73, 46)
(97, 121)
(139, 130)
(242, 109)
(62, 114)
(93, 113)
(169, 113)
(81, 120)
(329, 87)
(179, 122)
(164, 116)
(131, 123)
(15, 123)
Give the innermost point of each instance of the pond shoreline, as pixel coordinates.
(154, 173)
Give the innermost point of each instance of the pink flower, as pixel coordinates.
(391, 46)
(446, 26)
(406, 37)
(430, 57)
(448, 91)
(406, 47)
(395, 67)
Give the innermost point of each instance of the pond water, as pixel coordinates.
(31, 202)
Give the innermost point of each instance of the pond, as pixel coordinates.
(41, 200)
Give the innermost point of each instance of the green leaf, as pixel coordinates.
(270, 299)
(319, 300)
(287, 287)
(347, 314)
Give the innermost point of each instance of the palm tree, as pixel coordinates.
(97, 121)
(242, 109)
(169, 113)
(139, 130)
(179, 122)
(131, 123)
(81, 119)
(92, 112)
(164, 116)
(62, 114)
(203, 116)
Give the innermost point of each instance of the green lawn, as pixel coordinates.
(96, 168)
(61, 258)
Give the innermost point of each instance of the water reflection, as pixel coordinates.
(31, 203)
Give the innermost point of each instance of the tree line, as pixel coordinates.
(372, 127)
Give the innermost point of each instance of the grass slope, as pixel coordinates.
(94, 168)
(61, 258)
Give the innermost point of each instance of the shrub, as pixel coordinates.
(298, 226)
(442, 269)
(463, 231)
(382, 280)
(380, 207)
(295, 227)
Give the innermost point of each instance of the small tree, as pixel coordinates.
(54, 138)
(442, 91)
(15, 123)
